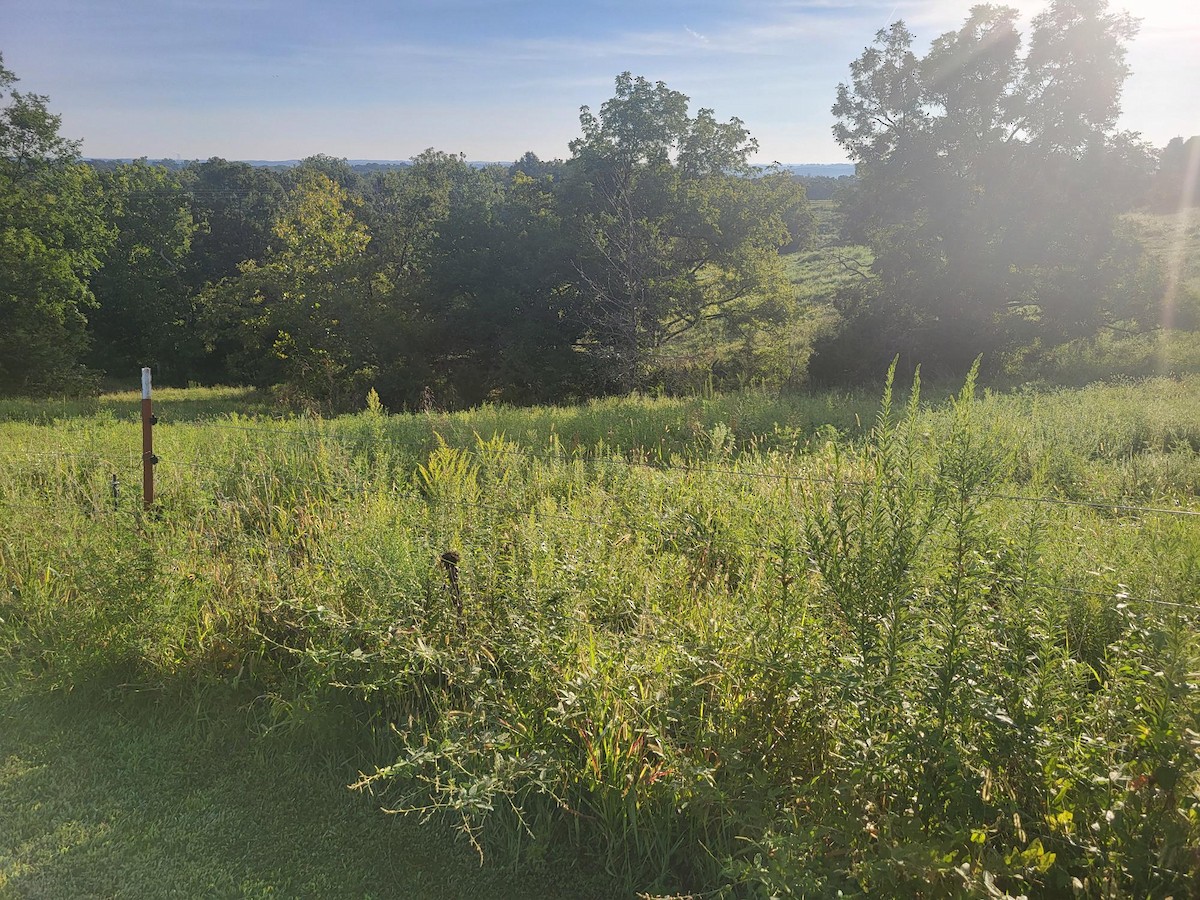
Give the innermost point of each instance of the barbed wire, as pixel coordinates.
(1098, 504)
(646, 626)
(720, 656)
(676, 639)
(229, 426)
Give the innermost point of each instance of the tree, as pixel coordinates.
(991, 182)
(52, 237)
(304, 301)
(503, 286)
(234, 206)
(1176, 182)
(405, 209)
(144, 314)
(335, 168)
(673, 232)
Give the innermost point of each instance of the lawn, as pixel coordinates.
(121, 793)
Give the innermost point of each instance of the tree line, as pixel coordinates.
(991, 183)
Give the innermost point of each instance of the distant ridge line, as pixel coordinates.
(826, 170)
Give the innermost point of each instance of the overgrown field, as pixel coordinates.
(765, 646)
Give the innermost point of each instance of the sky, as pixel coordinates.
(385, 79)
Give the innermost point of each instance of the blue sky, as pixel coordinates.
(368, 79)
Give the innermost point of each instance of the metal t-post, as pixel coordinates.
(148, 457)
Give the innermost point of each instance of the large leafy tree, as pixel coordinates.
(144, 313)
(407, 208)
(673, 232)
(299, 311)
(505, 323)
(52, 237)
(1176, 182)
(407, 212)
(233, 205)
(992, 179)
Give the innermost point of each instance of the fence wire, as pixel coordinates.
(649, 628)
(306, 429)
(360, 486)
(309, 429)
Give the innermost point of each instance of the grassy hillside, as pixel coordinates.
(1174, 243)
(744, 643)
(1174, 240)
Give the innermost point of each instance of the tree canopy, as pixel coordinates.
(53, 235)
(992, 178)
(986, 216)
(673, 232)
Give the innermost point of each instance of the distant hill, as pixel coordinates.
(822, 170)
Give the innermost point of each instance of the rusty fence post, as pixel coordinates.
(450, 561)
(149, 460)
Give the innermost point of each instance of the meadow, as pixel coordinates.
(752, 644)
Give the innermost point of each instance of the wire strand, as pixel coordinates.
(1117, 505)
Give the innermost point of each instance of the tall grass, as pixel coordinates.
(760, 645)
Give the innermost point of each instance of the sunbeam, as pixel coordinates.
(1183, 220)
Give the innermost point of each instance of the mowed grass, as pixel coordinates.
(106, 792)
(747, 644)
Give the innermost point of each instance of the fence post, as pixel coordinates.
(450, 561)
(149, 460)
